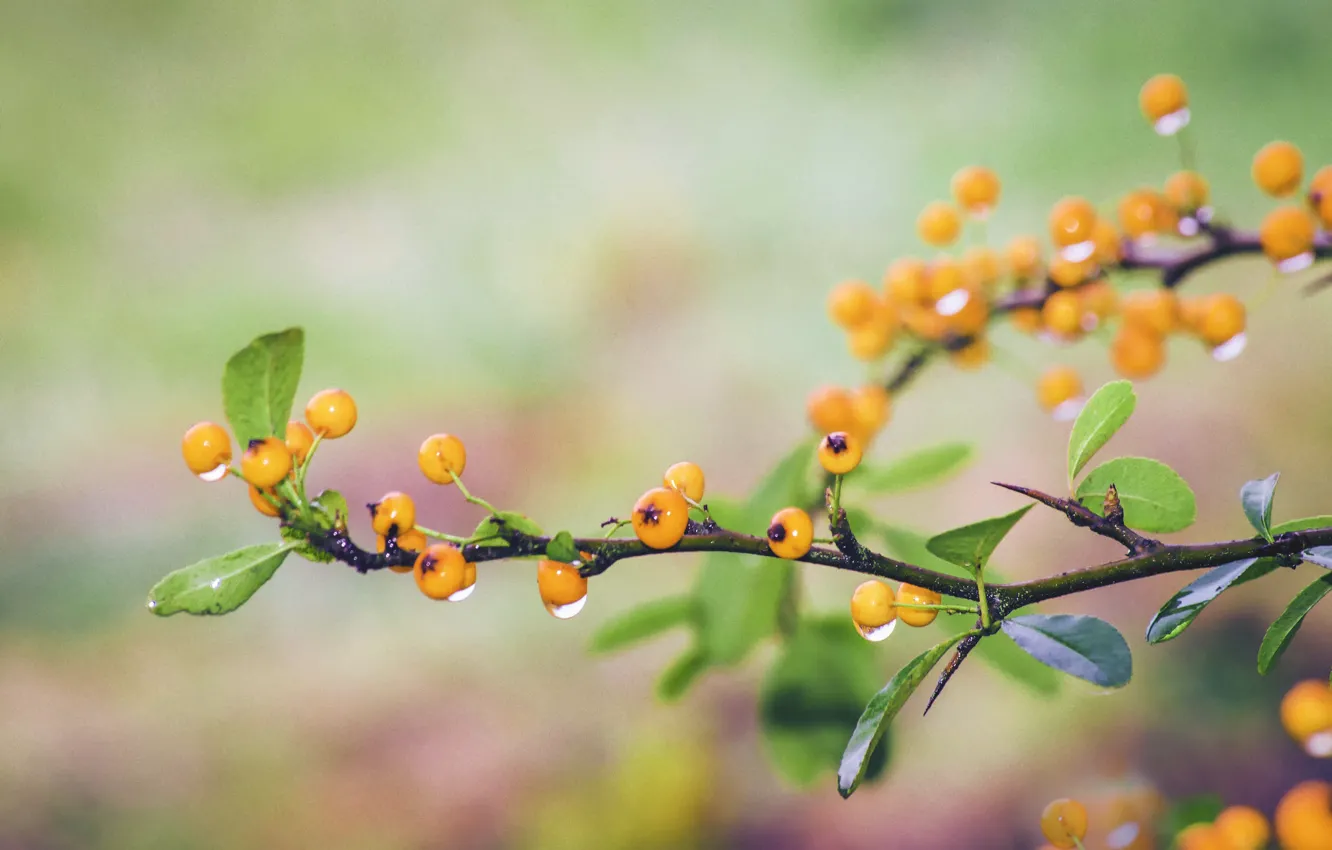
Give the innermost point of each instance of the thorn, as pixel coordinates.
(1044, 498)
(963, 650)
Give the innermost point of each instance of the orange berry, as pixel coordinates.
(871, 340)
(299, 440)
(331, 413)
(946, 276)
(1099, 299)
(206, 448)
(1304, 817)
(1137, 352)
(871, 407)
(851, 303)
(1278, 168)
(1106, 239)
(1187, 190)
(938, 224)
(1306, 713)
(1068, 273)
(1287, 232)
(1156, 310)
(1191, 312)
(1242, 828)
(265, 462)
(559, 584)
(1320, 195)
(905, 281)
(1199, 836)
(1222, 318)
(1144, 211)
(394, 511)
(1072, 221)
(1024, 256)
(909, 594)
(829, 409)
(981, 265)
(1064, 823)
(660, 517)
(976, 189)
(686, 478)
(1026, 319)
(791, 533)
(1058, 385)
(261, 504)
(872, 607)
(440, 570)
(441, 457)
(971, 356)
(1062, 313)
(840, 452)
(925, 322)
(1163, 100)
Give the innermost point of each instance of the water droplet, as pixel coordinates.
(1319, 744)
(460, 595)
(1189, 226)
(876, 633)
(215, 474)
(1068, 411)
(952, 303)
(1122, 835)
(565, 612)
(1078, 252)
(215, 583)
(1169, 125)
(152, 603)
(1231, 348)
(1298, 263)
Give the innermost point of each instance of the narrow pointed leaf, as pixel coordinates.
(1320, 555)
(1153, 495)
(217, 585)
(1180, 611)
(1256, 497)
(1085, 647)
(970, 546)
(879, 713)
(681, 674)
(1103, 414)
(921, 468)
(642, 623)
(259, 385)
(1282, 632)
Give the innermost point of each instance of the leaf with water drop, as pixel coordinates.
(217, 585)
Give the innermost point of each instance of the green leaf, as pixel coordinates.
(301, 545)
(812, 695)
(880, 711)
(1103, 414)
(787, 484)
(681, 674)
(1185, 813)
(491, 531)
(927, 466)
(739, 601)
(1282, 632)
(561, 548)
(1153, 495)
(1085, 647)
(971, 545)
(1182, 608)
(217, 585)
(1256, 497)
(259, 385)
(1320, 555)
(332, 507)
(646, 621)
(1011, 661)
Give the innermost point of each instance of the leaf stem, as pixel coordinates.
(440, 535)
(982, 600)
(305, 464)
(475, 500)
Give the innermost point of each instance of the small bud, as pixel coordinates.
(1113, 510)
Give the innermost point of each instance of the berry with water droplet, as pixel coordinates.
(206, 448)
(394, 511)
(791, 533)
(1064, 823)
(440, 570)
(1164, 100)
(265, 462)
(660, 518)
(1072, 221)
(873, 610)
(331, 413)
(1287, 233)
(1058, 385)
(1306, 714)
(561, 587)
(1222, 317)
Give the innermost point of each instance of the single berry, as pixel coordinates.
(851, 303)
(938, 224)
(1286, 233)
(909, 594)
(829, 409)
(686, 478)
(1303, 818)
(1199, 836)
(1187, 190)
(331, 413)
(299, 440)
(1072, 221)
(1058, 385)
(1137, 352)
(1024, 257)
(660, 517)
(872, 608)
(947, 276)
(265, 462)
(1306, 714)
(976, 189)
(1320, 195)
(207, 450)
(441, 457)
(1242, 828)
(1143, 212)
(1064, 823)
(840, 452)
(965, 312)
(871, 407)
(905, 281)
(560, 584)
(261, 504)
(1156, 310)
(1222, 318)
(1069, 273)
(871, 340)
(440, 570)
(791, 533)
(394, 511)
(971, 356)
(1164, 100)
(1062, 314)
(1278, 168)
(981, 265)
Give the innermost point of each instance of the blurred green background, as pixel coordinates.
(592, 239)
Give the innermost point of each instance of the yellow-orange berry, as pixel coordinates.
(1191, 312)
(791, 533)
(1278, 168)
(440, 570)
(1320, 195)
(905, 281)
(1024, 257)
(980, 265)
(1057, 385)
(946, 276)
(261, 504)
(331, 413)
(265, 462)
(394, 511)
(1242, 828)
(938, 224)
(1068, 273)
(1100, 299)
(299, 440)
(1140, 212)
(1137, 352)
(660, 517)
(1026, 319)
(1222, 318)
(851, 303)
(685, 477)
(925, 322)
(976, 189)
(206, 448)
(441, 457)
(1287, 232)
(1187, 190)
(871, 407)
(909, 594)
(1072, 221)
(1156, 310)
(1306, 714)
(971, 356)
(871, 340)
(1199, 836)
(1304, 817)
(559, 584)
(408, 541)
(1163, 100)
(873, 606)
(840, 452)
(1064, 823)
(1106, 239)
(1062, 313)
(829, 409)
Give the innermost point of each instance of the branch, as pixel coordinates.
(1111, 525)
